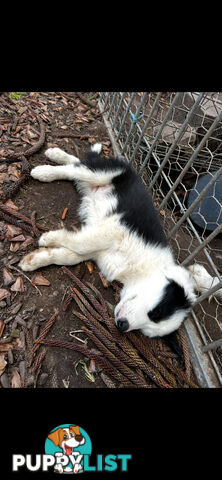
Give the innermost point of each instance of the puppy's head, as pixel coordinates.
(158, 304)
(67, 438)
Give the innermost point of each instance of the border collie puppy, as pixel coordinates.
(122, 233)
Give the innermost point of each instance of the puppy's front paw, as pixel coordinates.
(54, 154)
(49, 239)
(43, 173)
(34, 260)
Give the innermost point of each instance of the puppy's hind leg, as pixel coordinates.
(62, 158)
(59, 156)
(48, 256)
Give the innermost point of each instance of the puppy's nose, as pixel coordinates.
(122, 324)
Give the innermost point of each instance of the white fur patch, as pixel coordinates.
(97, 147)
(203, 281)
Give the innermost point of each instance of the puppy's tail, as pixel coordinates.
(97, 148)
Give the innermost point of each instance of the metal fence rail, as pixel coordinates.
(174, 140)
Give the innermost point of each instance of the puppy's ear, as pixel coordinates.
(75, 430)
(182, 276)
(54, 436)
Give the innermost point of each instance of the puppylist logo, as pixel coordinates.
(68, 448)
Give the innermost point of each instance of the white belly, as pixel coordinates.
(97, 203)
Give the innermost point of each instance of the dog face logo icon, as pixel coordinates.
(68, 443)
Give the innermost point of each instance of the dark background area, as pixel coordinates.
(168, 432)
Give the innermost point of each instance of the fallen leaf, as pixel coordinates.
(19, 238)
(10, 204)
(18, 129)
(66, 383)
(3, 177)
(14, 247)
(52, 145)
(18, 285)
(88, 375)
(4, 347)
(3, 363)
(64, 213)
(18, 344)
(16, 379)
(104, 281)
(90, 267)
(13, 171)
(8, 278)
(30, 133)
(92, 366)
(28, 241)
(15, 333)
(13, 178)
(11, 230)
(2, 327)
(26, 140)
(39, 279)
(3, 293)
(22, 109)
(3, 167)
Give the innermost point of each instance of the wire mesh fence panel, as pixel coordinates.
(174, 141)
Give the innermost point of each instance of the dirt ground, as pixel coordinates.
(49, 201)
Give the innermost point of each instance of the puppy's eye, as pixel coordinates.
(65, 436)
(71, 434)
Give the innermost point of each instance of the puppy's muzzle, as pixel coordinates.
(122, 324)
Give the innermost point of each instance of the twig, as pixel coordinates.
(27, 278)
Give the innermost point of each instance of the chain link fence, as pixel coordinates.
(174, 141)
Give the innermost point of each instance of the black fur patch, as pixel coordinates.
(174, 299)
(134, 202)
(171, 341)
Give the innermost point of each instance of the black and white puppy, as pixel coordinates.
(122, 233)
